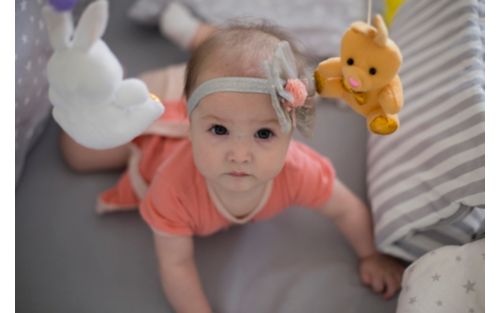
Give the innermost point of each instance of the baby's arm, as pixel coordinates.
(179, 275)
(381, 272)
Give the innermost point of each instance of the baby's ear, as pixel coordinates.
(59, 27)
(92, 25)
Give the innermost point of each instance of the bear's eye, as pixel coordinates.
(350, 61)
(372, 71)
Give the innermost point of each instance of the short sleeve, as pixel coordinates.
(164, 212)
(310, 177)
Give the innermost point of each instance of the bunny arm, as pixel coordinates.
(130, 93)
(391, 96)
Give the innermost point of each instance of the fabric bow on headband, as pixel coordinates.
(287, 91)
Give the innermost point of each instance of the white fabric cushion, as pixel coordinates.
(447, 280)
(426, 181)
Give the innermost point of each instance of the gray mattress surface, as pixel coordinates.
(69, 259)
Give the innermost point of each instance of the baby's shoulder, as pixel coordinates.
(299, 154)
(180, 176)
(176, 175)
(307, 176)
(303, 162)
(173, 191)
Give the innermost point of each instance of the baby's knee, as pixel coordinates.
(71, 154)
(83, 160)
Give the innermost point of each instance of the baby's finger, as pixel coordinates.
(366, 278)
(391, 286)
(377, 284)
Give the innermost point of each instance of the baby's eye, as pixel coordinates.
(218, 130)
(264, 133)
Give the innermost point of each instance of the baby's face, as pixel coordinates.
(237, 140)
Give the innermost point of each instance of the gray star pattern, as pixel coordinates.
(436, 277)
(469, 286)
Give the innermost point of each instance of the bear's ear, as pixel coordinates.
(382, 34)
(363, 28)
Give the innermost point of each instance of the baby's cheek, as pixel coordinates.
(273, 163)
(200, 156)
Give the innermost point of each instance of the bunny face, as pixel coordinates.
(368, 62)
(92, 74)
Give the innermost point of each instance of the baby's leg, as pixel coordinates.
(167, 83)
(82, 159)
(185, 29)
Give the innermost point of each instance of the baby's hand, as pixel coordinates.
(382, 273)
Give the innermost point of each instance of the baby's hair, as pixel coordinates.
(240, 50)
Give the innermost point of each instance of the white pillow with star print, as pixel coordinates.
(31, 102)
(449, 280)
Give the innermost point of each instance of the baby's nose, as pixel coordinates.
(240, 151)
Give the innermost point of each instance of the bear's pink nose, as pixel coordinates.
(354, 83)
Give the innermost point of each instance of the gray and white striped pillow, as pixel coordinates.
(426, 181)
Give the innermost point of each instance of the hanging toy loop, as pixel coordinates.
(369, 17)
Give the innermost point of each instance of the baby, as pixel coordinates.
(226, 156)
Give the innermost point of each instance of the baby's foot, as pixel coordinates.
(383, 125)
(147, 12)
(178, 24)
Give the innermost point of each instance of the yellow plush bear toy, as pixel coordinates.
(365, 75)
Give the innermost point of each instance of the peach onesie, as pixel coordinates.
(173, 197)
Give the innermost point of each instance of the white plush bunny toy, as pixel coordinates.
(90, 99)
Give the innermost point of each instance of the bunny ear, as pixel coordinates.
(59, 26)
(92, 25)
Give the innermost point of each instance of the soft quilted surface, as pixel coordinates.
(69, 259)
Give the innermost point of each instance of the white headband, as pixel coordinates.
(287, 91)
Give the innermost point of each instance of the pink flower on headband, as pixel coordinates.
(298, 90)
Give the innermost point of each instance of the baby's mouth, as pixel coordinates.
(238, 174)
